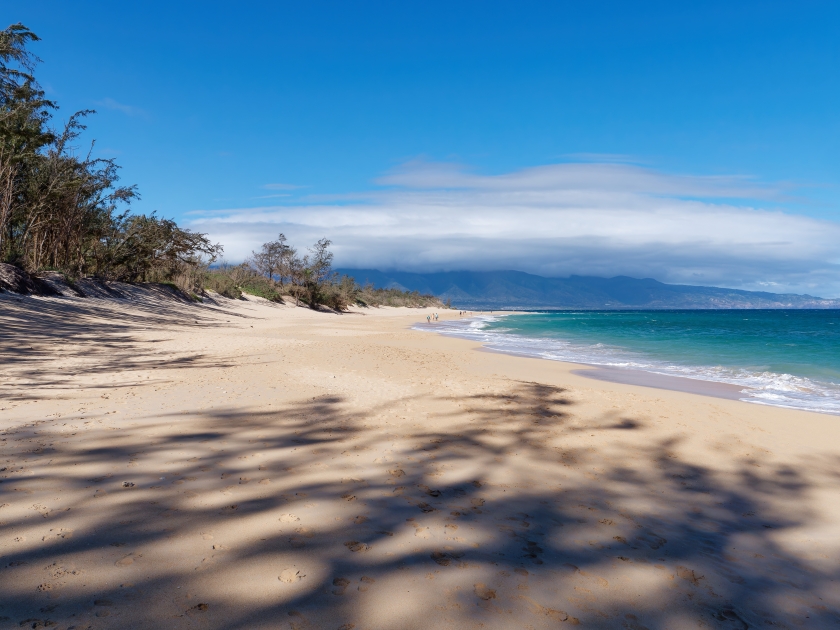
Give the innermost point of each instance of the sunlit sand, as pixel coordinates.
(252, 465)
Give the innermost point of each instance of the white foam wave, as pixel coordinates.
(766, 388)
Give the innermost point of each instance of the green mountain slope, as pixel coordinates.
(516, 289)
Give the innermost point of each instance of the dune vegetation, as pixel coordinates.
(64, 210)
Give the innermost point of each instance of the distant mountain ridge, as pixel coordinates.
(516, 289)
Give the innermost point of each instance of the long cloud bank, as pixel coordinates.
(557, 220)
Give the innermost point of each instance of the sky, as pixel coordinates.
(691, 142)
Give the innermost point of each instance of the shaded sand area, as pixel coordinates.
(249, 465)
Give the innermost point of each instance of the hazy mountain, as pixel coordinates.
(515, 289)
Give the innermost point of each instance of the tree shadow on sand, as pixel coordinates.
(93, 337)
(314, 516)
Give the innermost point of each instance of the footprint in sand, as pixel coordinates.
(422, 532)
(198, 609)
(654, 541)
(34, 623)
(365, 583)
(290, 575)
(58, 572)
(128, 559)
(58, 533)
(288, 518)
(445, 558)
(689, 575)
(360, 519)
(510, 531)
(341, 585)
(298, 622)
(356, 546)
(302, 534)
(533, 550)
(729, 615)
(552, 613)
(483, 592)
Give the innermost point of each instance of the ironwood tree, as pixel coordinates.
(65, 210)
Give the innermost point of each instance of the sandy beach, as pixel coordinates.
(252, 465)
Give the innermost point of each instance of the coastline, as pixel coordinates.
(752, 389)
(641, 378)
(286, 466)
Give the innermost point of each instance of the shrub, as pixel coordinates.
(222, 283)
(261, 287)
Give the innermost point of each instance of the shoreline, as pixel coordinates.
(248, 464)
(639, 377)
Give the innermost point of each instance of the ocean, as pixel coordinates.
(785, 358)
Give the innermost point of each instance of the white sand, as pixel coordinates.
(260, 466)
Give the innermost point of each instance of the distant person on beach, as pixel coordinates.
(428, 319)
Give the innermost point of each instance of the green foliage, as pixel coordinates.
(222, 283)
(370, 296)
(262, 287)
(276, 271)
(66, 212)
(232, 282)
(62, 211)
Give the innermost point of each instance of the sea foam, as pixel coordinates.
(765, 388)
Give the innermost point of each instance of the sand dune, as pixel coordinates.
(249, 465)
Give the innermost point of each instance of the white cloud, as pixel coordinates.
(280, 186)
(128, 110)
(556, 220)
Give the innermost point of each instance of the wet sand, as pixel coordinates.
(641, 378)
(259, 466)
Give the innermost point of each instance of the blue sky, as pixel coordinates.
(376, 123)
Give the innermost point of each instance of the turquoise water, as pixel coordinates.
(789, 358)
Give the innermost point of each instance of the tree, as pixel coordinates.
(66, 211)
(309, 278)
(317, 272)
(271, 258)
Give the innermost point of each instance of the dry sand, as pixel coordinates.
(258, 466)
